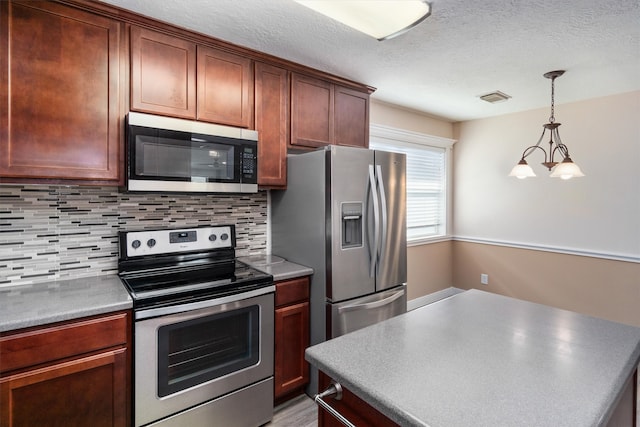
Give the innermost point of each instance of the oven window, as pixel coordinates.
(199, 350)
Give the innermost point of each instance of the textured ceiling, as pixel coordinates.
(463, 50)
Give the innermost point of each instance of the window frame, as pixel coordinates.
(410, 139)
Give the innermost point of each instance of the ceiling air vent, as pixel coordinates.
(494, 97)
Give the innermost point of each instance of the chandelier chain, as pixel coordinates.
(552, 118)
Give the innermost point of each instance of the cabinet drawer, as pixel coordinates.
(291, 291)
(47, 344)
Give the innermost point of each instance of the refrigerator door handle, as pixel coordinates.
(383, 210)
(372, 305)
(373, 249)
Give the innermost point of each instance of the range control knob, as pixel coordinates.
(151, 242)
(213, 237)
(135, 244)
(224, 236)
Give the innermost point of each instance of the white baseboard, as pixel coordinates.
(432, 297)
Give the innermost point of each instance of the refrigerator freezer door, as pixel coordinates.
(360, 312)
(392, 254)
(348, 267)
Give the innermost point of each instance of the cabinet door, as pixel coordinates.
(82, 392)
(351, 115)
(291, 340)
(61, 84)
(311, 111)
(272, 123)
(225, 88)
(163, 74)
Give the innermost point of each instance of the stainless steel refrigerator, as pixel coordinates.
(344, 214)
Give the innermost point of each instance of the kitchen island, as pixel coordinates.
(481, 359)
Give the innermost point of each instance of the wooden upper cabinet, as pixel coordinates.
(311, 111)
(163, 74)
(351, 117)
(272, 123)
(225, 88)
(61, 85)
(325, 113)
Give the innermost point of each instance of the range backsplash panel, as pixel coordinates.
(50, 233)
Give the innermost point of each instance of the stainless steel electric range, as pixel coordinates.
(203, 330)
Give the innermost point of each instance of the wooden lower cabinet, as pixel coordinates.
(291, 338)
(354, 409)
(69, 374)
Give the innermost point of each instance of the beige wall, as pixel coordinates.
(597, 214)
(597, 287)
(429, 268)
(513, 229)
(429, 265)
(402, 118)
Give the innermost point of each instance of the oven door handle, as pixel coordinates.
(173, 309)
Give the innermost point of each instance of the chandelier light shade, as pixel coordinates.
(566, 169)
(381, 19)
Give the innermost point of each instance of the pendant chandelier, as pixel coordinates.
(566, 169)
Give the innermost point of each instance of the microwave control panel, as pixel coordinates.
(249, 162)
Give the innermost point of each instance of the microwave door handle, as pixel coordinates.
(383, 211)
(373, 249)
(372, 305)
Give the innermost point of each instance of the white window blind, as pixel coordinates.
(426, 187)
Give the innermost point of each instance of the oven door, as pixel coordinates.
(187, 358)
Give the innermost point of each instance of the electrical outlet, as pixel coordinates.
(484, 279)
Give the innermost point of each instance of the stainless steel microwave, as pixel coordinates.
(166, 154)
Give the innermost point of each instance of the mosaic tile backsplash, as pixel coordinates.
(50, 233)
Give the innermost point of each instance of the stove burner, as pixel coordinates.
(185, 265)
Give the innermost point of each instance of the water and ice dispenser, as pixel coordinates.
(352, 224)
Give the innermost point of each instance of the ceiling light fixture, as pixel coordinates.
(381, 19)
(566, 169)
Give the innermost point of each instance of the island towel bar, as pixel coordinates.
(334, 390)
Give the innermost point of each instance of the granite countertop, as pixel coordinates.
(484, 359)
(278, 267)
(23, 306)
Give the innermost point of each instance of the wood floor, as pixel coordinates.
(298, 412)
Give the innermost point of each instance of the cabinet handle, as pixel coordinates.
(334, 390)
